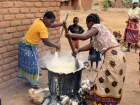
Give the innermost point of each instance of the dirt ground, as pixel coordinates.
(114, 19)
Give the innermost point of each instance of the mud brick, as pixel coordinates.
(45, 48)
(13, 41)
(19, 17)
(0, 59)
(57, 8)
(21, 28)
(46, 4)
(16, 57)
(14, 75)
(25, 11)
(16, 47)
(29, 4)
(3, 11)
(42, 10)
(15, 23)
(8, 60)
(53, 4)
(30, 16)
(33, 10)
(26, 22)
(6, 43)
(19, 5)
(13, 11)
(5, 78)
(1, 62)
(5, 67)
(1, 18)
(10, 71)
(39, 50)
(58, 3)
(3, 50)
(7, 5)
(10, 48)
(11, 30)
(52, 37)
(5, 55)
(1, 31)
(41, 45)
(9, 17)
(1, 44)
(43, 0)
(50, 9)
(0, 80)
(2, 74)
(39, 5)
(13, 53)
(17, 34)
(53, 32)
(39, 15)
(50, 0)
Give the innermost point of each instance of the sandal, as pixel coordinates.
(126, 50)
(90, 69)
(136, 52)
(35, 87)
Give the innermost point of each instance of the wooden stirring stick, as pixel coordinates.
(62, 31)
(72, 48)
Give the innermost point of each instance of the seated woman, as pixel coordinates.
(28, 66)
(108, 85)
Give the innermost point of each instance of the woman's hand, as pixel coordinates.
(58, 46)
(75, 53)
(68, 35)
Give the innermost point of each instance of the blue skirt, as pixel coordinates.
(94, 56)
(28, 67)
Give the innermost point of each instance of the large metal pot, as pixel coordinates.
(64, 84)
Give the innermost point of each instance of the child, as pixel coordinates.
(94, 56)
(75, 28)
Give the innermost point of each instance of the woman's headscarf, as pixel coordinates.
(135, 1)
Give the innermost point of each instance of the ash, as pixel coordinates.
(68, 100)
(83, 97)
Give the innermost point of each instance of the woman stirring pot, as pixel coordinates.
(108, 85)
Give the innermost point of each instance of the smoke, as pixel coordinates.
(48, 57)
(62, 60)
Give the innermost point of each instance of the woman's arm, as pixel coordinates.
(49, 43)
(53, 25)
(86, 48)
(93, 31)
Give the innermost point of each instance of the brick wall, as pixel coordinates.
(86, 4)
(63, 5)
(119, 4)
(74, 4)
(16, 17)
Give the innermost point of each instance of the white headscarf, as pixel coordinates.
(135, 1)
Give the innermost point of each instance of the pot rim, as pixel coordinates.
(82, 68)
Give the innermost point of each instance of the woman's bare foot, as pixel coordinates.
(96, 69)
(90, 69)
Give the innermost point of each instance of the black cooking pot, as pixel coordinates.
(64, 84)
